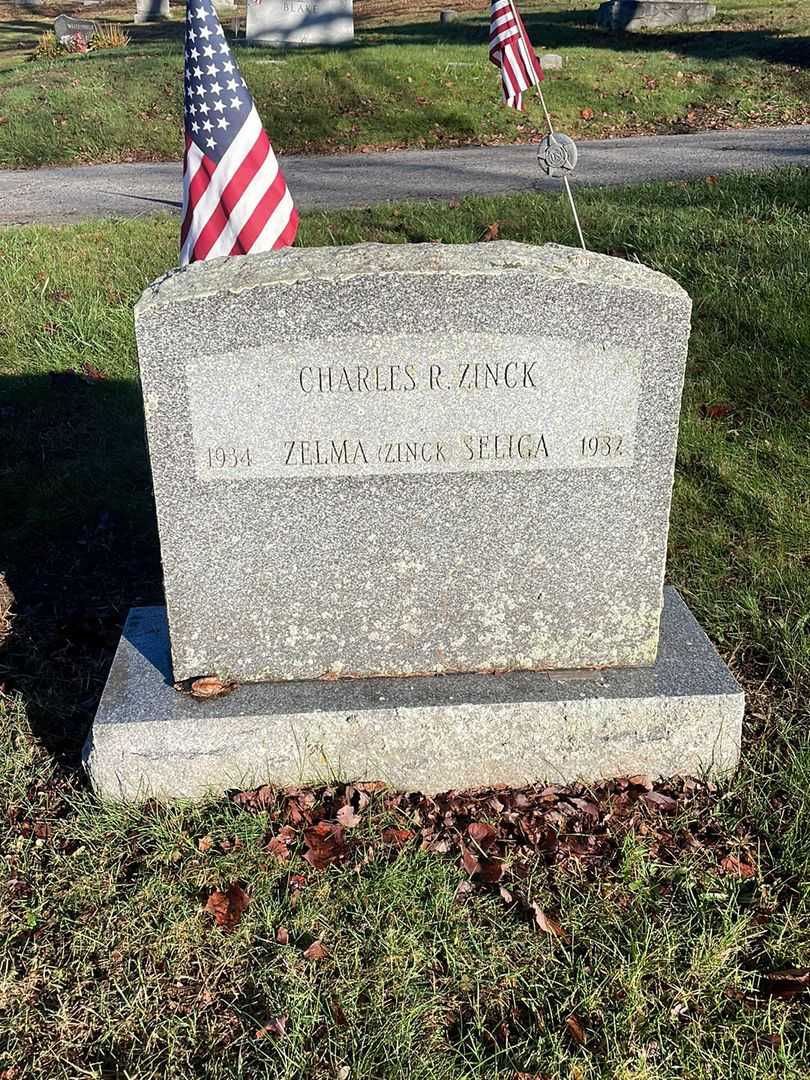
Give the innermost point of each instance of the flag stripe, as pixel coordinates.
(272, 200)
(264, 176)
(511, 51)
(220, 174)
(195, 181)
(220, 225)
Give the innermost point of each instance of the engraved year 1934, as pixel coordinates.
(225, 457)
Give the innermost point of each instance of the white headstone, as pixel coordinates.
(300, 22)
(151, 10)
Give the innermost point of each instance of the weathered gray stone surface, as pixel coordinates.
(551, 62)
(649, 14)
(300, 22)
(534, 538)
(429, 734)
(66, 26)
(151, 10)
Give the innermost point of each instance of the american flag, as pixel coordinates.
(235, 199)
(512, 52)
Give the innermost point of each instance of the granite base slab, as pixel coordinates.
(429, 733)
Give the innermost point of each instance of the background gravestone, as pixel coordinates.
(300, 22)
(384, 469)
(65, 26)
(648, 14)
(152, 10)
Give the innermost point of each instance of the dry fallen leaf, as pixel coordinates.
(736, 868)
(492, 232)
(347, 817)
(276, 1026)
(90, 373)
(316, 951)
(228, 907)
(711, 179)
(279, 845)
(482, 834)
(545, 922)
(338, 1014)
(786, 984)
(257, 799)
(325, 844)
(718, 411)
(664, 804)
(476, 858)
(207, 686)
(283, 935)
(211, 686)
(396, 837)
(575, 1029)
(586, 114)
(205, 843)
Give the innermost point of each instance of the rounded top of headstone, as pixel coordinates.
(295, 265)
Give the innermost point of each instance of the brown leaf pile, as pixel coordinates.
(496, 833)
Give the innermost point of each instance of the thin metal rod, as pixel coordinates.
(545, 110)
(551, 134)
(574, 212)
(565, 178)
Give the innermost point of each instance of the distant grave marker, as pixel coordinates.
(650, 14)
(66, 27)
(152, 11)
(300, 22)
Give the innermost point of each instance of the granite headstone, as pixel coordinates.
(403, 462)
(300, 22)
(152, 10)
(66, 27)
(633, 15)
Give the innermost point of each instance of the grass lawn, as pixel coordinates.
(406, 82)
(676, 909)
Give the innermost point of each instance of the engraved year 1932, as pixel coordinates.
(228, 457)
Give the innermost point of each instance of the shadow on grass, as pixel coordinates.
(577, 29)
(80, 547)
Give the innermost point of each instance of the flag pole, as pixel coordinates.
(568, 190)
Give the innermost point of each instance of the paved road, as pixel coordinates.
(70, 194)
